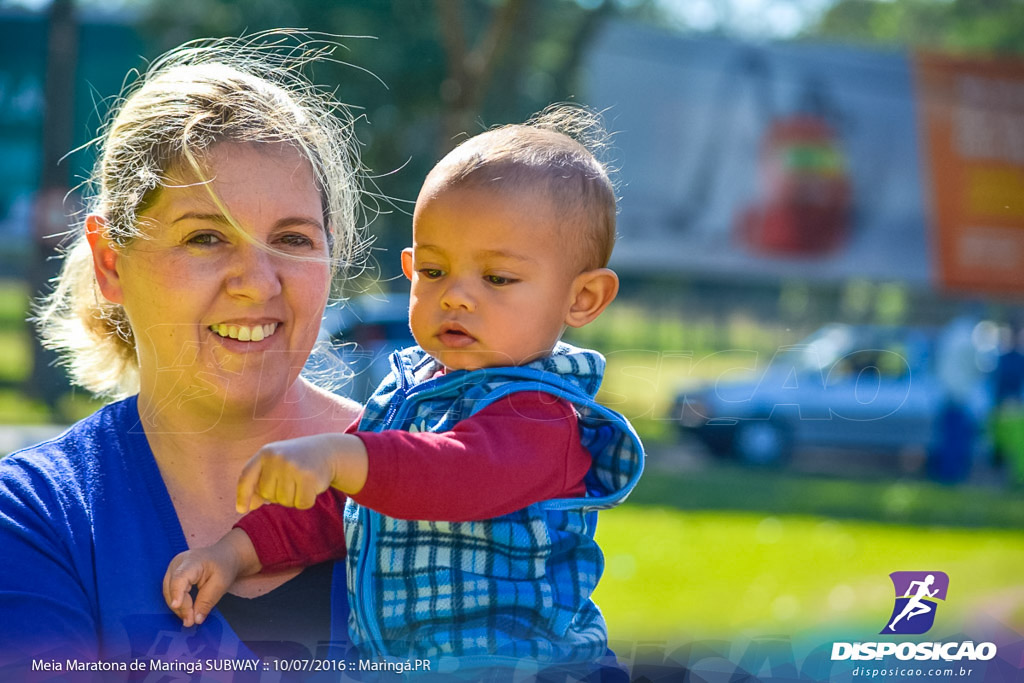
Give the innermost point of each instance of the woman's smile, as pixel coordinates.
(245, 333)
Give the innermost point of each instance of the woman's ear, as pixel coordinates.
(104, 258)
(407, 262)
(593, 290)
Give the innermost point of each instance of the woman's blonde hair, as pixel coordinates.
(249, 90)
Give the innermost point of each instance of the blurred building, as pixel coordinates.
(748, 169)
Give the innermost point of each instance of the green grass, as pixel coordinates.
(15, 365)
(727, 552)
(15, 334)
(13, 304)
(15, 355)
(16, 409)
(678, 575)
(889, 499)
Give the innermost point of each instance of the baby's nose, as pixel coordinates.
(458, 295)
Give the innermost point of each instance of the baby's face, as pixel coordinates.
(492, 281)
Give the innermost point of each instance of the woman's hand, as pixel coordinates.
(213, 569)
(294, 472)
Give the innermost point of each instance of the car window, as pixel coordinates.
(821, 350)
(841, 352)
(865, 364)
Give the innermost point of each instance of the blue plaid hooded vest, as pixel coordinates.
(494, 591)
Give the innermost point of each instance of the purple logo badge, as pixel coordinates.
(917, 594)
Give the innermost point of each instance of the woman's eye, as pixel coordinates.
(203, 239)
(296, 240)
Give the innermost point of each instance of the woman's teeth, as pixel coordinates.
(245, 332)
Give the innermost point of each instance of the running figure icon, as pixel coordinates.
(917, 594)
(916, 604)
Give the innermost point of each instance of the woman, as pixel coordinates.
(225, 196)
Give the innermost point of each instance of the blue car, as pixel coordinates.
(871, 388)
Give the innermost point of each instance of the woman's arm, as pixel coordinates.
(45, 607)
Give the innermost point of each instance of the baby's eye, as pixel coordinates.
(431, 273)
(499, 280)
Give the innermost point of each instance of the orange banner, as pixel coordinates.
(972, 121)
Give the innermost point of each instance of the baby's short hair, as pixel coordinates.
(556, 152)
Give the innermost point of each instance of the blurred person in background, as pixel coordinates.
(1008, 412)
(966, 400)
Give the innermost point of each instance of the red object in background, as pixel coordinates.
(805, 205)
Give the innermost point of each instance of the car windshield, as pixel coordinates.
(822, 349)
(840, 349)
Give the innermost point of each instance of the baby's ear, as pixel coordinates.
(593, 290)
(407, 262)
(104, 258)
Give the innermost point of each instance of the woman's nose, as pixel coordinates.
(255, 274)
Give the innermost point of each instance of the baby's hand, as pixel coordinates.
(290, 473)
(213, 569)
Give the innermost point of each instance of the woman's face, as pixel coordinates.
(225, 320)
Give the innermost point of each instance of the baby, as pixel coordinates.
(470, 487)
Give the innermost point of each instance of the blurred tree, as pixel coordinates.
(550, 37)
(451, 67)
(974, 26)
(470, 68)
(50, 213)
